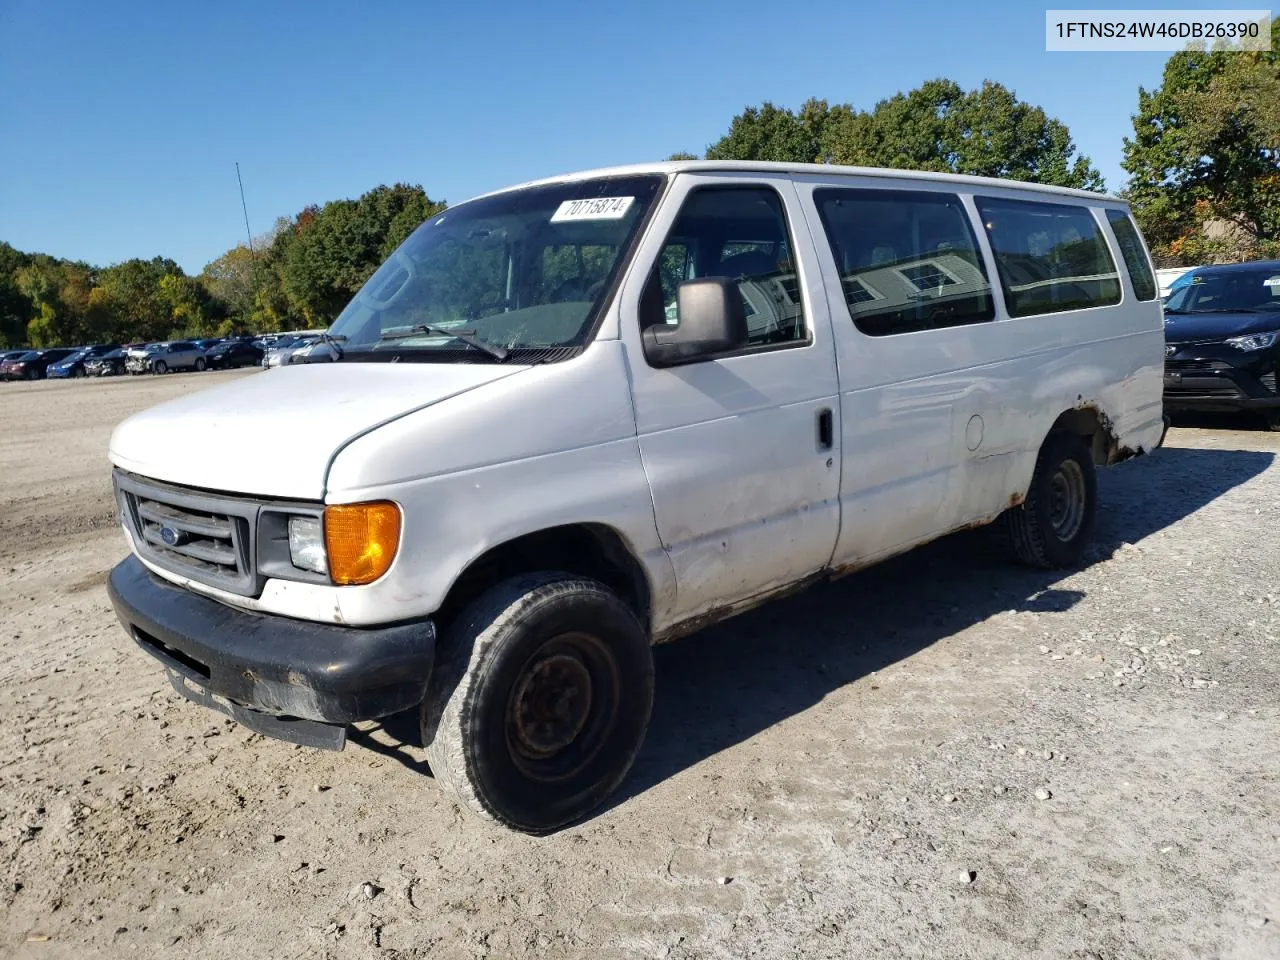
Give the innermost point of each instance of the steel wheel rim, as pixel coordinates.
(1067, 496)
(562, 707)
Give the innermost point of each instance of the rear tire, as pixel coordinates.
(200, 364)
(1054, 525)
(1273, 420)
(539, 701)
(77, 372)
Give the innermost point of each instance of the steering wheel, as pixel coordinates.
(570, 289)
(573, 290)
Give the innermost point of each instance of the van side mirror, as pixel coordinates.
(712, 322)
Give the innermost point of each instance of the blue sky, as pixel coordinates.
(122, 123)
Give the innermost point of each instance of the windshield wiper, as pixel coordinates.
(466, 336)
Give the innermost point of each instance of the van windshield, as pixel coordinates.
(526, 270)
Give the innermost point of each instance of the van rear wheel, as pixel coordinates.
(539, 701)
(1054, 525)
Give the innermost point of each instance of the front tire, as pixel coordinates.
(1054, 525)
(159, 367)
(539, 701)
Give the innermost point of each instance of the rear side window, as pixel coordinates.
(1135, 256)
(908, 259)
(1051, 256)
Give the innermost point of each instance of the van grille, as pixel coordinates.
(191, 533)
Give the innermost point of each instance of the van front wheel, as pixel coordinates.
(539, 701)
(1053, 526)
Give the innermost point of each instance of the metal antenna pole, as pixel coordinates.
(253, 257)
(245, 208)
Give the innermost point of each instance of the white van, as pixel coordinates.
(581, 416)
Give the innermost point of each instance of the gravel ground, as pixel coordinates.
(941, 756)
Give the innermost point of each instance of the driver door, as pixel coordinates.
(741, 451)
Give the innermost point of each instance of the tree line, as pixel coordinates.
(1204, 182)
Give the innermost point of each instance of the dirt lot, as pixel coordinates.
(851, 772)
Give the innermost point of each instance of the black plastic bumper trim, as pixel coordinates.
(271, 664)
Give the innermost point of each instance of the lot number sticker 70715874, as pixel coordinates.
(594, 208)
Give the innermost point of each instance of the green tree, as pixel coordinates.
(938, 126)
(769, 132)
(332, 250)
(1206, 149)
(193, 312)
(230, 280)
(15, 312)
(40, 282)
(134, 299)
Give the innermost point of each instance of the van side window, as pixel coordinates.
(1051, 256)
(737, 232)
(1135, 257)
(908, 259)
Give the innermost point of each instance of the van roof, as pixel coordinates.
(818, 169)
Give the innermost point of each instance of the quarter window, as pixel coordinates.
(1051, 257)
(908, 259)
(737, 232)
(1135, 256)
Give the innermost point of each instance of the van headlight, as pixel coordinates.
(1253, 341)
(306, 544)
(340, 544)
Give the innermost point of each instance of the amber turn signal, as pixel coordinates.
(361, 540)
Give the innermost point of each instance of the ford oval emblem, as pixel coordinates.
(170, 536)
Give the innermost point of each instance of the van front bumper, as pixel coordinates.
(292, 679)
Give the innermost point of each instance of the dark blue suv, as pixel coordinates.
(1221, 330)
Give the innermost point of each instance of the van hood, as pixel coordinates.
(1192, 327)
(274, 433)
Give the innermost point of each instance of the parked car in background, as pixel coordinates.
(1221, 329)
(137, 357)
(279, 353)
(236, 353)
(109, 364)
(1175, 279)
(208, 343)
(1171, 278)
(33, 364)
(315, 351)
(74, 365)
(164, 357)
